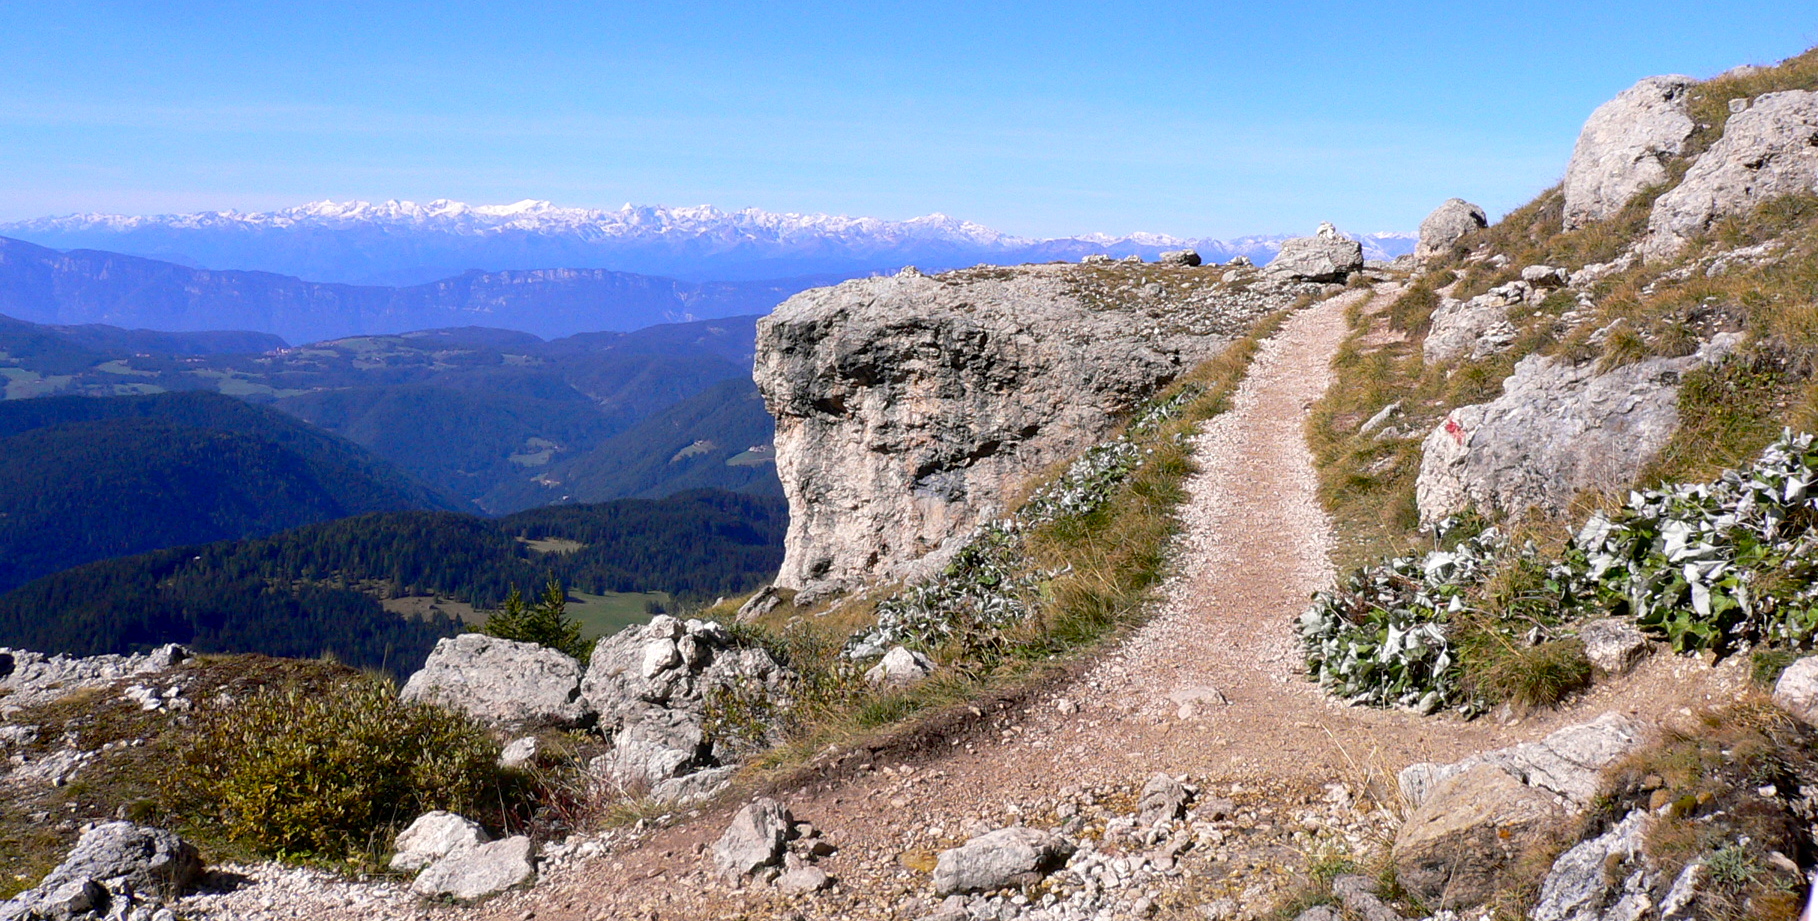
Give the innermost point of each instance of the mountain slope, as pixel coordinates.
(719, 438)
(85, 479)
(400, 242)
(323, 587)
(482, 413)
(91, 286)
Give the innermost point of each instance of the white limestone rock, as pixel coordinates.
(1446, 226)
(433, 836)
(910, 409)
(1624, 148)
(1768, 150)
(475, 873)
(999, 859)
(1558, 429)
(1797, 690)
(753, 840)
(502, 682)
(1324, 257)
(900, 666)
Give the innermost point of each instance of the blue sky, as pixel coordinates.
(1052, 118)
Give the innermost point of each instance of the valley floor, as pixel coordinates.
(1212, 688)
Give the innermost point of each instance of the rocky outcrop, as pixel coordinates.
(1327, 256)
(1624, 147)
(908, 408)
(1603, 879)
(28, 678)
(1475, 327)
(1446, 226)
(1767, 150)
(1567, 764)
(650, 686)
(115, 870)
(501, 682)
(1458, 848)
(1557, 430)
(1473, 820)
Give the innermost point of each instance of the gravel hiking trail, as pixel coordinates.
(1212, 687)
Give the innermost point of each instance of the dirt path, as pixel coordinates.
(1211, 688)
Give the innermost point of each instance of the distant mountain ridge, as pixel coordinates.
(402, 242)
(43, 285)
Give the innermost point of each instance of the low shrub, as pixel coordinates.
(294, 772)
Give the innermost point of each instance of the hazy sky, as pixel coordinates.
(1046, 118)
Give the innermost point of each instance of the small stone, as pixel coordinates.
(804, 879)
(753, 840)
(1613, 644)
(519, 752)
(433, 836)
(1797, 690)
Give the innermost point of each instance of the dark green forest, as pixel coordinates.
(318, 588)
(84, 479)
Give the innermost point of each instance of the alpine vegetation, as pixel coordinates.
(1720, 566)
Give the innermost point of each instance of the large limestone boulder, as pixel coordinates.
(1767, 150)
(908, 409)
(1326, 256)
(1557, 430)
(1624, 147)
(649, 686)
(501, 682)
(1457, 849)
(1001, 858)
(1446, 226)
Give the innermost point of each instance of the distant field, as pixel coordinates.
(600, 615)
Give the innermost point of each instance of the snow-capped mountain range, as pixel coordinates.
(402, 242)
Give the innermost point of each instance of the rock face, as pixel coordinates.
(1603, 879)
(433, 836)
(1623, 148)
(477, 872)
(1456, 849)
(1446, 226)
(1557, 429)
(909, 407)
(754, 840)
(999, 859)
(1767, 150)
(650, 685)
(1324, 257)
(501, 682)
(1797, 690)
(112, 868)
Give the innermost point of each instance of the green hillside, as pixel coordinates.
(334, 587)
(84, 479)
